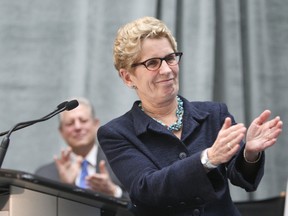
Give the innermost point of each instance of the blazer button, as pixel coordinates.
(196, 212)
(182, 155)
(199, 201)
(182, 204)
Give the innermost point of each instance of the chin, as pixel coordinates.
(171, 93)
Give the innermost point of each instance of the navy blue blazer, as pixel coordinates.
(163, 174)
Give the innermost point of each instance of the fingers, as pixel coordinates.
(103, 173)
(232, 147)
(227, 123)
(263, 133)
(231, 143)
(233, 134)
(227, 143)
(65, 153)
(228, 128)
(263, 117)
(272, 133)
(275, 125)
(101, 181)
(234, 138)
(102, 167)
(275, 128)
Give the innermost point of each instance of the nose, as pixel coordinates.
(77, 124)
(164, 68)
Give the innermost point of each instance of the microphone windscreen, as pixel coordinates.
(62, 105)
(72, 105)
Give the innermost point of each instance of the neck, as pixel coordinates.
(172, 120)
(160, 111)
(83, 150)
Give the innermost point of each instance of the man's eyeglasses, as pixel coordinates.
(153, 64)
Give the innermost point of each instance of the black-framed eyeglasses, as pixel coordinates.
(153, 64)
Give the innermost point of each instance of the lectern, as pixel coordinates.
(25, 194)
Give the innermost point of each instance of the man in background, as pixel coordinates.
(82, 163)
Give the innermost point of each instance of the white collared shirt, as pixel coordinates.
(92, 160)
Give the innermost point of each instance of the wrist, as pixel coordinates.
(117, 192)
(205, 160)
(251, 159)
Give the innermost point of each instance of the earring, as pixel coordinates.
(133, 87)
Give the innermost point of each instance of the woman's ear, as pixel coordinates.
(126, 77)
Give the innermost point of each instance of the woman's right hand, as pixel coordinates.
(227, 142)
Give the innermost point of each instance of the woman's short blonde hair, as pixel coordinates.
(129, 38)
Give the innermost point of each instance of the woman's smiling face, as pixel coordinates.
(158, 85)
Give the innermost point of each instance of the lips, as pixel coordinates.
(166, 80)
(80, 136)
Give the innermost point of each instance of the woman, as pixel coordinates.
(174, 156)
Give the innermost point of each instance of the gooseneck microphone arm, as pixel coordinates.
(6, 140)
(17, 127)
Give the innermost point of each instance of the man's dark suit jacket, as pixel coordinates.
(50, 171)
(163, 174)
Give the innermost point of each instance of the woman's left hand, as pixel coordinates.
(262, 134)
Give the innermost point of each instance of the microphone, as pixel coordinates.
(60, 108)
